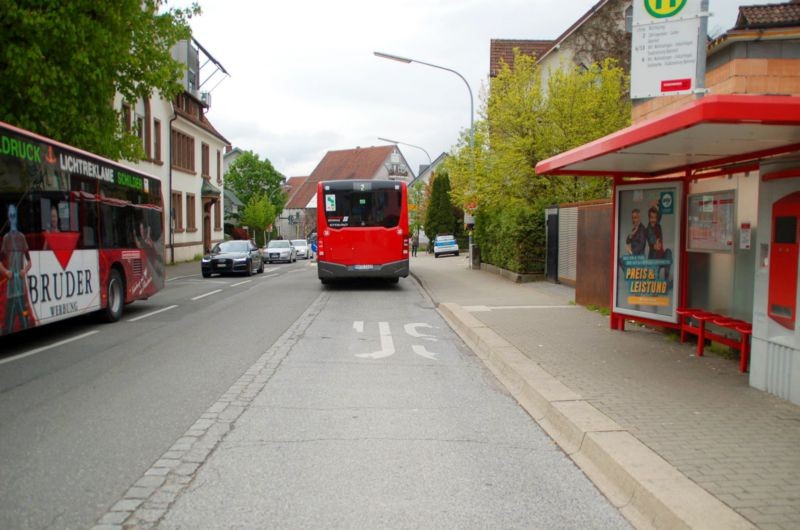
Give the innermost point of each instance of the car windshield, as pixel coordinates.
(444, 238)
(299, 242)
(278, 243)
(232, 246)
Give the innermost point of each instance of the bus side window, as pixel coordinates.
(88, 224)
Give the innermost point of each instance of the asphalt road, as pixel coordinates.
(86, 408)
(375, 415)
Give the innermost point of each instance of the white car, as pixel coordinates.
(280, 250)
(302, 248)
(445, 244)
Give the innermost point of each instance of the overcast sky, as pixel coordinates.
(304, 80)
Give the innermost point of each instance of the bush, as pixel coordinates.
(512, 237)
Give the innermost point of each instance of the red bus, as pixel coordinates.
(362, 229)
(78, 233)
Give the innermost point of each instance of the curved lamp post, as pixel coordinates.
(430, 162)
(471, 105)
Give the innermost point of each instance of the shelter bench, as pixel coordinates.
(702, 318)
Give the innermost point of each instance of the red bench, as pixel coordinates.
(702, 318)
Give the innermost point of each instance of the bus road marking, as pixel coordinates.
(152, 313)
(387, 344)
(423, 352)
(215, 291)
(411, 329)
(43, 348)
(240, 283)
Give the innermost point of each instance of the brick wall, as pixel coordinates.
(729, 74)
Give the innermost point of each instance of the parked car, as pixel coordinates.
(445, 244)
(302, 249)
(280, 250)
(234, 256)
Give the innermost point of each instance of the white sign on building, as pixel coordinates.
(665, 47)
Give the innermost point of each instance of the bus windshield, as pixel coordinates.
(363, 205)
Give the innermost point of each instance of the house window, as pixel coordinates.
(140, 129)
(182, 151)
(126, 117)
(206, 161)
(157, 140)
(190, 213)
(219, 167)
(177, 210)
(218, 215)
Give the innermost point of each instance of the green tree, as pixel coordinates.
(441, 216)
(258, 214)
(249, 176)
(62, 63)
(416, 206)
(522, 123)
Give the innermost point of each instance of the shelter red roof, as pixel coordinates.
(707, 133)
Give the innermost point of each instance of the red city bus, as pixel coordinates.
(78, 233)
(362, 229)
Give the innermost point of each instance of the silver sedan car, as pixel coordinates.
(280, 250)
(302, 248)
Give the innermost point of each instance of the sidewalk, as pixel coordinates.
(673, 440)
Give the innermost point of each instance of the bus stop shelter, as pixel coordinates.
(705, 226)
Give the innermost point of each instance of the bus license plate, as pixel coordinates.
(362, 267)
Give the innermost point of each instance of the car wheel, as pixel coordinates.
(456, 253)
(249, 268)
(436, 255)
(206, 274)
(269, 261)
(115, 296)
(261, 267)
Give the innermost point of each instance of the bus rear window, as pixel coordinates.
(368, 208)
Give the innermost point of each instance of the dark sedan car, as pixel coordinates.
(237, 256)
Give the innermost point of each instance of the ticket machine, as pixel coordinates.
(783, 260)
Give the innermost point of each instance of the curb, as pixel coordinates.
(648, 490)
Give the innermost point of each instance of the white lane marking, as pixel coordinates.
(270, 270)
(182, 277)
(152, 313)
(295, 270)
(411, 329)
(483, 308)
(358, 325)
(207, 294)
(269, 276)
(240, 283)
(43, 348)
(422, 352)
(387, 344)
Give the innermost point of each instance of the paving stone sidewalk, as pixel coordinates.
(740, 444)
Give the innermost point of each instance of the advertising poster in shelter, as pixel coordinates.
(647, 250)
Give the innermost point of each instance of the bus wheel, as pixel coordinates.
(325, 281)
(115, 295)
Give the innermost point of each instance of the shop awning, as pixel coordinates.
(708, 133)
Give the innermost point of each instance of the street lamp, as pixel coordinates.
(430, 162)
(471, 105)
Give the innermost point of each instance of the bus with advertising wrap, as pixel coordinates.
(362, 229)
(78, 233)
